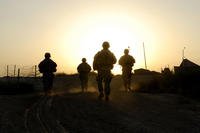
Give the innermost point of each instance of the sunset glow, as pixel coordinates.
(71, 30)
(87, 38)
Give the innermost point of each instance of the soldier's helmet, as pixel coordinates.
(47, 55)
(105, 45)
(126, 51)
(83, 59)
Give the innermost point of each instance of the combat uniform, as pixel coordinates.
(47, 67)
(83, 70)
(103, 63)
(127, 62)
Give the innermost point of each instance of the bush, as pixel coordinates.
(14, 87)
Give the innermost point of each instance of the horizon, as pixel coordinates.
(71, 30)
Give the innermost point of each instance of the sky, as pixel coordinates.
(73, 29)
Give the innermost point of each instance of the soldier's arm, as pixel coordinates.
(133, 60)
(114, 58)
(55, 64)
(95, 62)
(89, 67)
(94, 65)
(78, 68)
(40, 66)
(120, 61)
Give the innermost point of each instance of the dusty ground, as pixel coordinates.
(70, 111)
(83, 112)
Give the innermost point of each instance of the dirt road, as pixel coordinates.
(84, 113)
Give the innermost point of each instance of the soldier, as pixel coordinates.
(47, 67)
(127, 61)
(83, 70)
(103, 63)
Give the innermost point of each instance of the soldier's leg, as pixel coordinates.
(81, 82)
(50, 84)
(125, 84)
(124, 77)
(107, 87)
(82, 85)
(129, 80)
(128, 84)
(45, 84)
(100, 86)
(86, 83)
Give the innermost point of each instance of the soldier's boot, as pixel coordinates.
(107, 98)
(50, 93)
(128, 88)
(101, 95)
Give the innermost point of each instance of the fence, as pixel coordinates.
(20, 71)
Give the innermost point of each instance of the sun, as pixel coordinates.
(86, 38)
(120, 38)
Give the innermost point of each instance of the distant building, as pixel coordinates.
(188, 63)
(166, 70)
(142, 71)
(187, 66)
(187, 78)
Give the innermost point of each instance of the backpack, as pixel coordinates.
(103, 59)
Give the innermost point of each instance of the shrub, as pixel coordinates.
(14, 87)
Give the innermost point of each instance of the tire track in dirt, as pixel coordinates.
(39, 117)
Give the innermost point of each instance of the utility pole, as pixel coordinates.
(183, 53)
(14, 70)
(18, 75)
(35, 71)
(144, 56)
(7, 70)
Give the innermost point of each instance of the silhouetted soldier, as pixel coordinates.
(127, 61)
(47, 67)
(103, 63)
(83, 70)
